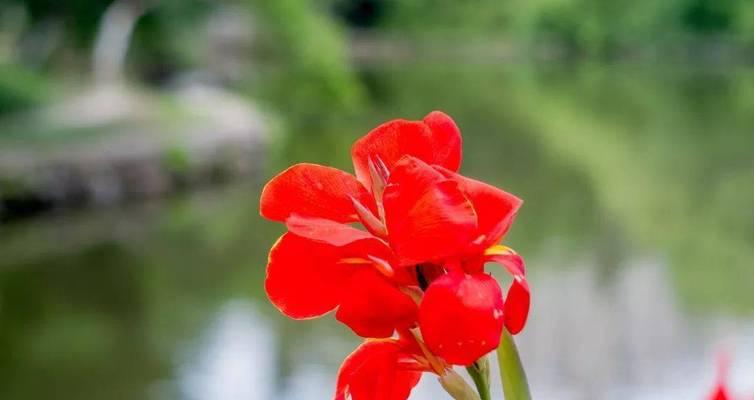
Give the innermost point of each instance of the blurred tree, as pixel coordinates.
(594, 27)
(708, 16)
(316, 76)
(301, 51)
(361, 13)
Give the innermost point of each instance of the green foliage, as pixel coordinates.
(430, 17)
(20, 89)
(177, 160)
(309, 74)
(593, 27)
(80, 18)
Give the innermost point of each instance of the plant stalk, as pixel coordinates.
(480, 374)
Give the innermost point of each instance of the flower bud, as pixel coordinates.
(457, 387)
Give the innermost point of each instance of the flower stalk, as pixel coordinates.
(480, 374)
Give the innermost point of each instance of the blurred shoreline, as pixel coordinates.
(370, 48)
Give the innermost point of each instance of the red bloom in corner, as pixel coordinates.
(418, 262)
(720, 391)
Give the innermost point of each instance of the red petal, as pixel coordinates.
(495, 208)
(372, 372)
(435, 141)
(517, 303)
(304, 279)
(448, 137)
(461, 317)
(312, 190)
(325, 230)
(518, 299)
(427, 216)
(372, 307)
(411, 177)
(359, 246)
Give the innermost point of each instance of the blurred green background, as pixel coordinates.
(135, 136)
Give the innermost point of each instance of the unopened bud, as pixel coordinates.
(457, 387)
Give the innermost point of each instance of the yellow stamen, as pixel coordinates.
(354, 260)
(498, 250)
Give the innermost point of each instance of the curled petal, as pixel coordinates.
(312, 190)
(518, 299)
(372, 307)
(427, 216)
(461, 317)
(374, 371)
(508, 258)
(517, 303)
(496, 209)
(436, 140)
(304, 278)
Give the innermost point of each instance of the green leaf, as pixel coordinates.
(512, 375)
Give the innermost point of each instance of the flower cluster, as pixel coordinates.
(411, 279)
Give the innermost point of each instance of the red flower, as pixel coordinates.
(428, 232)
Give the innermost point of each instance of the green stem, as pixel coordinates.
(480, 374)
(512, 375)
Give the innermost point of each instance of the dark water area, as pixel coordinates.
(638, 230)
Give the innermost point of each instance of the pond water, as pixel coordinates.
(638, 230)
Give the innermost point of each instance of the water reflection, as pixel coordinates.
(236, 359)
(625, 338)
(637, 228)
(622, 339)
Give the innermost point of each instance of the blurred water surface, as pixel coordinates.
(638, 229)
